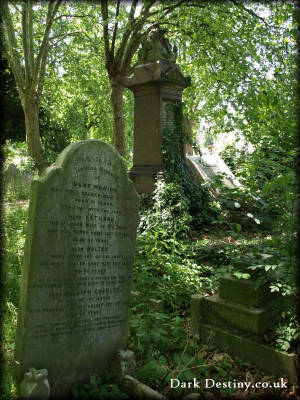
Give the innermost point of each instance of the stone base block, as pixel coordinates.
(144, 177)
(244, 291)
(216, 311)
(276, 362)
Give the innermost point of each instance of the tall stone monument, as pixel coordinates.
(157, 85)
(73, 315)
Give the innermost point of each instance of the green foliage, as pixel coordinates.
(76, 102)
(176, 171)
(250, 88)
(15, 228)
(13, 127)
(16, 153)
(152, 369)
(288, 330)
(15, 219)
(97, 388)
(244, 81)
(169, 212)
(17, 182)
(270, 172)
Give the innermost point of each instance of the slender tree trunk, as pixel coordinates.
(32, 127)
(116, 100)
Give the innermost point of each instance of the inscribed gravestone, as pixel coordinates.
(73, 315)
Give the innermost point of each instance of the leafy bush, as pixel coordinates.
(287, 332)
(98, 388)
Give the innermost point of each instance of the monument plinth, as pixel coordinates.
(157, 83)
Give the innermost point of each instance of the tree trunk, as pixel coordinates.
(116, 100)
(32, 127)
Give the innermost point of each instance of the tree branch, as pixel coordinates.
(131, 30)
(72, 16)
(42, 74)
(146, 7)
(133, 46)
(251, 12)
(104, 11)
(42, 55)
(132, 10)
(93, 122)
(113, 41)
(16, 8)
(61, 37)
(168, 9)
(133, 26)
(30, 36)
(135, 42)
(11, 52)
(25, 38)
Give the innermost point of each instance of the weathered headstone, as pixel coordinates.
(73, 316)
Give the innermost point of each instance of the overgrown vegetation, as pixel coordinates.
(172, 262)
(243, 60)
(18, 170)
(170, 266)
(15, 217)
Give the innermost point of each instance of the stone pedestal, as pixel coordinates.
(157, 86)
(236, 319)
(239, 305)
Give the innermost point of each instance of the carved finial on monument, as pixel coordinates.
(155, 47)
(157, 62)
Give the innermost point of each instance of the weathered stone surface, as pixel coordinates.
(154, 111)
(73, 315)
(16, 181)
(209, 165)
(13, 175)
(35, 385)
(244, 291)
(156, 46)
(245, 208)
(123, 364)
(269, 359)
(157, 86)
(158, 72)
(217, 311)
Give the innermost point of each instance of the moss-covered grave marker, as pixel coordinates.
(73, 315)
